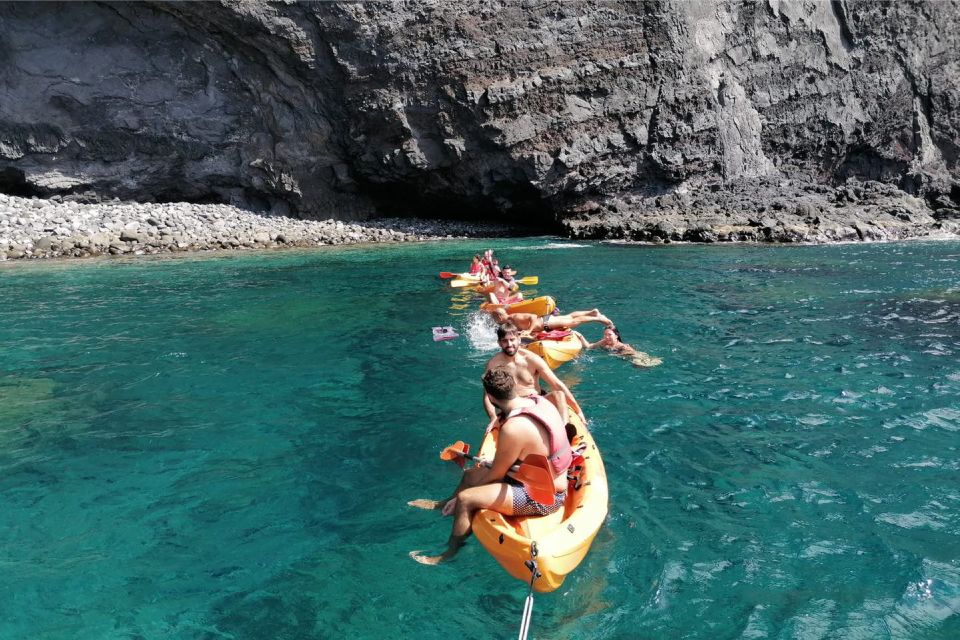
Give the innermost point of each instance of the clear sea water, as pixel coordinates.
(223, 447)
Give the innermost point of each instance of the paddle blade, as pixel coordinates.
(529, 280)
(446, 275)
(534, 473)
(459, 451)
(454, 451)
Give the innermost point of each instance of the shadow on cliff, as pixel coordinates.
(517, 205)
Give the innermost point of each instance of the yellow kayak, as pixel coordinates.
(542, 306)
(562, 538)
(556, 352)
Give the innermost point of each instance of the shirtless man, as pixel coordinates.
(527, 368)
(532, 426)
(508, 275)
(529, 323)
(504, 292)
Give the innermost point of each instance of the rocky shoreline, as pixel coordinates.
(653, 122)
(37, 228)
(775, 211)
(56, 228)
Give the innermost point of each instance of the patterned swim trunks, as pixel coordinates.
(524, 505)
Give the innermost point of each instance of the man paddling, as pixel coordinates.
(505, 289)
(527, 368)
(508, 275)
(534, 324)
(531, 425)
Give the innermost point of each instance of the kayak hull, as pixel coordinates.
(563, 538)
(541, 306)
(556, 352)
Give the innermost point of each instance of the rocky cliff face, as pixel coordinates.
(679, 119)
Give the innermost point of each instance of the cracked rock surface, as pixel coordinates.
(663, 120)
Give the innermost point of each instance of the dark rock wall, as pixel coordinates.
(556, 110)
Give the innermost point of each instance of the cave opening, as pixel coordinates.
(191, 197)
(13, 182)
(514, 204)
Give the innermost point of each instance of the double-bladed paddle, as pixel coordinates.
(461, 282)
(533, 472)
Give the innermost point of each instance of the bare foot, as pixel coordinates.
(449, 507)
(424, 503)
(422, 559)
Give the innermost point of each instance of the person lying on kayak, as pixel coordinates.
(531, 324)
(527, 369)
(611, 342)
(530, 425)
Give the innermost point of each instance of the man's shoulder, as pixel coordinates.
(529, 358)
(497, 360)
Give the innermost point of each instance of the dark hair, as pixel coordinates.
(505, 328)
(499, 383)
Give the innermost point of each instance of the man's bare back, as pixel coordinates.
(526, 322)
(531, 324)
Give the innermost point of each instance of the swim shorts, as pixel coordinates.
(524, 505)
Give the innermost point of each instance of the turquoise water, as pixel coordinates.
(224, 447)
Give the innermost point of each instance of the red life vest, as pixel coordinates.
(555, 334)
(543, 411)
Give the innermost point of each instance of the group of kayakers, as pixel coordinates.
(530, 419)
(485, 265)
(531, 422)
(498, 283)
(502, 288)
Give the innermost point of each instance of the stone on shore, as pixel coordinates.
(34, 228)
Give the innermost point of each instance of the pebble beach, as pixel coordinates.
(32, 228)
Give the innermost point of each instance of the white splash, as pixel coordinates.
(481, 331)
(551, 245)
